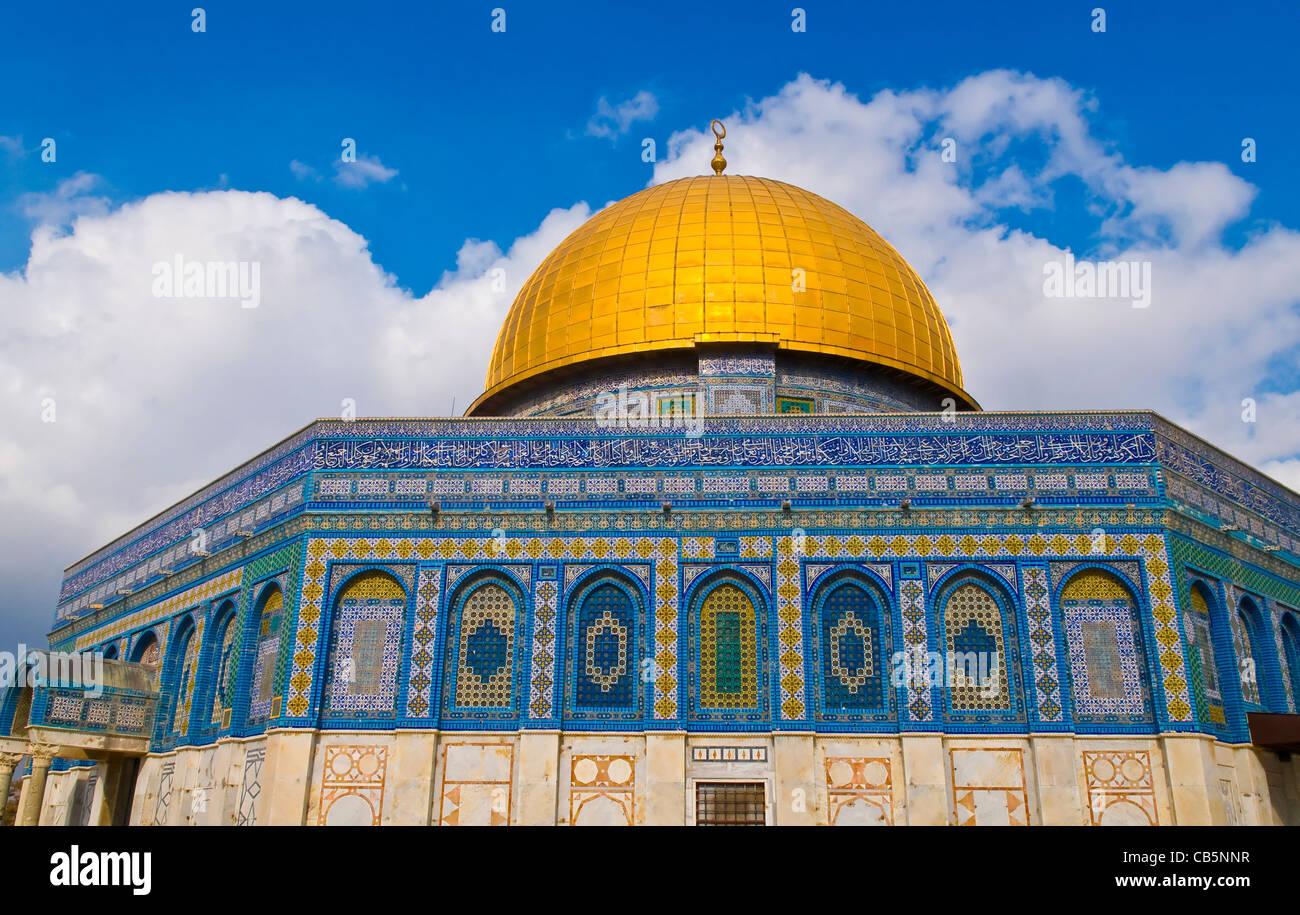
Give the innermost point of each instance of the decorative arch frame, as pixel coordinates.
(1289, 626)
(749, 718)
(335, 702)
(487, 717)
(576, 660)
(1257, 639)
(1142, 662)
(140, 643)
(176, 680)
(885, 711)
(260, 655)
(1199, 635)
(1012, 666)
(218, 680)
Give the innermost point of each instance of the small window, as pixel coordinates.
(730, 804)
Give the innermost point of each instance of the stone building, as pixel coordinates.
(724, 540)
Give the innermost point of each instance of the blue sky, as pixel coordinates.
(479, 151)
(488, 130)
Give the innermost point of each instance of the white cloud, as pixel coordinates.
(71, 198)
(1218, 317)
(12, 146)
(356, 175)
(365, 171)
(303, 172)
(612, 121)
(157, 397)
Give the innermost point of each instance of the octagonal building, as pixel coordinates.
(724, 540)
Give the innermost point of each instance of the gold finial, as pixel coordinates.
(719, 132)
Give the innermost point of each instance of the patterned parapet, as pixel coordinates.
(117, 700)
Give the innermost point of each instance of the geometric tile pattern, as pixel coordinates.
(972, 625)
(1042, 645)
(367, 647)
(854, 653)
(916, 637)
(225, 664)
(790, 625)
(728, 650)
(477, 783)
(352, 786)
(858, 791)
(1106, 660)
(1169, 642)
(199, 593)
(605, 658)
(988, 787)
(420, 681)
(269, 625)
(602, 791)
(1121, 791)
(189, 668)
(542, 670)
(982, 547)
(485, 662)
(1201, 659)
(1243, 642)
(320, 550)
(252, 787)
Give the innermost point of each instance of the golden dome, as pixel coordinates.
(718, 259)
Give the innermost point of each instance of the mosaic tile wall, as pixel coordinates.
(645, 647)
(265, 492)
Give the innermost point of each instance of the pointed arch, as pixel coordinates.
(223, 662)
(267, 628)
(1203, 661)
(183, 667)
(1253, 641)
(1291, 651)
(852, 648)
(1108, 666)
(603, 672)
(981, 649)
(365, 648)
(728, 623)
(480, 666)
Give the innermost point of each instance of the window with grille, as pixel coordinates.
(730, 804)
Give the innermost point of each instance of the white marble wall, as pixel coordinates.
(547, 777)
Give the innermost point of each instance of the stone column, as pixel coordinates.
(33, 796)
(7, 763)
(1193, 780)
(539, 762)
(286, 777)
(1057, 776)
(665, 791)
(795, 803)
(926, 775)
(114, 793)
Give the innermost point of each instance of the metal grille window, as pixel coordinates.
(730, 804)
